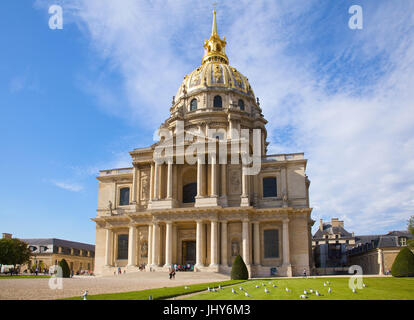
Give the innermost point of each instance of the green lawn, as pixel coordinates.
(161, 293)
(376, 289)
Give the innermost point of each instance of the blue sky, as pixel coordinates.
(75, 101)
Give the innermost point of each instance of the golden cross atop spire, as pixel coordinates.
(214, 47)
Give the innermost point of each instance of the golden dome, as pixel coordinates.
(215, 71)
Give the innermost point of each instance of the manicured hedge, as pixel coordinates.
(403, 265)
(239, 270)
(65, 268)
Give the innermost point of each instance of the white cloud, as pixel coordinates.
(356, 128)
(73, 187)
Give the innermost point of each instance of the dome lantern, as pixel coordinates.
(214, 48)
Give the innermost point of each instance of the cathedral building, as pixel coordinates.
(203, 213)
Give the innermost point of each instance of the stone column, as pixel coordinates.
(134, 185)
(151, 182)
(168, 244)
(257, 243)
(224, 259)
(149, 244)
(245, 193)
(200, 175)
(108, 248)
(223, 180)
(213, 244)
(132, 246)
(286, 250)
(213, 175)
(157, 182)
(199, 244)
(170, 180)
(380, 262)
(245, 242)
(155, 244)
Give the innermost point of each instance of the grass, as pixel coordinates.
(376, 289)
(24, 277)
(158, 294)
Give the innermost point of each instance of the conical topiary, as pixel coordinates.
(403, 265)
(65, 268)
(239, 270)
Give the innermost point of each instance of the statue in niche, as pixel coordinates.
(285, 200)
(110, 208)
(235, 248)
(144, 250)
(145, 188)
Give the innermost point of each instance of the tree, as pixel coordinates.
(403, 265)
(410, 242)
(65, 268)
(13, 252)
(239, 270)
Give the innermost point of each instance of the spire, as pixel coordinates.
(214, 47)
(214, 30)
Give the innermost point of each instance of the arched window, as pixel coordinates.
(218, 102)
(241, 104)
(189, 192)
(269, 187)
(124, 197)
(193, 105)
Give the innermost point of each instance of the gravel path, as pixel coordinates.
(38, 289)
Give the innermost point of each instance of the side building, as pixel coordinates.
(49, 252)
(376, 253)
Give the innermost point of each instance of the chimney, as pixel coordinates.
(321, 225)
(7, 235)
(336, 223)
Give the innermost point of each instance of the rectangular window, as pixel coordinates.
(269, 187)
(124, 197)
(123, 247)
(271, 244)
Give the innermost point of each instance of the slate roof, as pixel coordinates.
(369, 242)
(60, 243)
(329, 230)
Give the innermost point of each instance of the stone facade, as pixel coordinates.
(206, 213)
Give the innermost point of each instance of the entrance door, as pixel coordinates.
(189, 252)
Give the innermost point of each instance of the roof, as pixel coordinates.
(60, 243)
(369, 242)
(329, 230)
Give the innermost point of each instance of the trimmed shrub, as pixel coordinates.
(403, 265)
(239, 270)
(65, 268)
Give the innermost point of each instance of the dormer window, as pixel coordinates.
(403, 242)
(218, 102)
(193, 105)
(241, 104)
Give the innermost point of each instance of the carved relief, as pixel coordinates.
(145, 183)
(235, 182)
